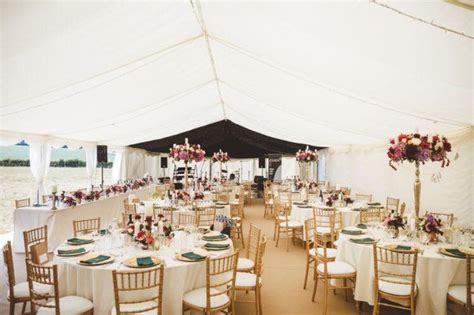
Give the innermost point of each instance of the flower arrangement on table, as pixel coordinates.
(330, 199)
(394, 222)
(418, 149)
(220, 156)
(307, 155)
(182, 195)
(348, 200)
(199, 195)
(313, 187)
(431, 225)
(227, 224)
(187, 152)
(145, 238)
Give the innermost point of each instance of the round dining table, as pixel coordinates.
(435, 271)
(301, 212)
(95, 282)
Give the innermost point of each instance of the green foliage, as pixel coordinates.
(60, 163)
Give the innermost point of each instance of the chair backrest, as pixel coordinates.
(259, 260)
(443, 216)
(45, 198)
(220, 276)
(129, 208)
(86, 226)
(206, 216)
(392, 266)
(370, 215)
(255, 237)
(321, 242)
(187, 219)
(330, 219)
(363, 197)
(34, 237)
(135, 283)
(223, 197)
(392, 205)
(46, 275)
(20, 203)
(309, 232)
(403, 207)
(8, 260)
(165, 212)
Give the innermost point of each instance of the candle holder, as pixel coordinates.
(37, 204)
(54, 202)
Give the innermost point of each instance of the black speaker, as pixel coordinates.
(261, 162)
(101, 153)
(164, 162)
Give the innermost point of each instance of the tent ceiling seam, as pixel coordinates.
(330, 88)
(111, 70)
(316, 122)
(386, 6)
(200, 19)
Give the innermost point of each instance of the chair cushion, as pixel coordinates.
(323, 230)
(330, 252)
(394, 288)
(269, 202)
(22, 290)
(236, 218)
(337, 268)
(198, 298)
(245, 264)
(133, 308)
(291, 224)
(245, 279)
(459, 292)
(68, 305)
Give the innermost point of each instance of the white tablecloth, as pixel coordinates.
(95, 283)
(435, 273)
(59, 221)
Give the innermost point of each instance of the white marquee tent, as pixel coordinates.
(344, 75)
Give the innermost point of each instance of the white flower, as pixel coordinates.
(404, 140)
(416, 141)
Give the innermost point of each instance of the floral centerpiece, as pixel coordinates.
(305, 158)
(182, 195)
(198, 195)
(330, 199)
(220, 156)
(313, 187)
(145, 238)
(431, 225)
(418, 149)
(187, 153)
(394, 222)
(79, 195)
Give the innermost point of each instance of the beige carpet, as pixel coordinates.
(283, 278)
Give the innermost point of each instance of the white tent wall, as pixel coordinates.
(365, 169)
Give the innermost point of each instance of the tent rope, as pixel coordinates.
(160, 53)
(384, 5)
(197, 10)
(330, 88)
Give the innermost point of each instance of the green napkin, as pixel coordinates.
(403, 247)
(193, 256)
(103, 232)
(71, 251)
(355, 209)
(456, 252)
(299, 203)
(304, 206)
(78, 241)
(351, 232)
(95, 260)
(222, 203)
(373, 203)
(361, 226)
(366, 240)
(144, 261)
(217, 246)
(214, 237)
(219, 207)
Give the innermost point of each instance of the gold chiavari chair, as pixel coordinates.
(21, 203)
(363, 197)
(328, 222)
(206, 216)
(403, 207)
(288, 227)
(17, 292)
(267, 197)
(165, 212)
(36, 244)
(86, 226)
(140, 285)
(278, 213)
(236, 212)
(187, 219)
(394, 277)
(253, 281)
(218, 294)
(392, 205)
(370, 215)
(248, 264)
(247, 189)
(443, 216)
(462, 294)
(222, 197)
(327, 269)
(45, 198)
(309, 231)
(48, 276)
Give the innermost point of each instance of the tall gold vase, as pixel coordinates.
(417, 189)
(186, 175)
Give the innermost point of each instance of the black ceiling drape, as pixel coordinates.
(240, 142)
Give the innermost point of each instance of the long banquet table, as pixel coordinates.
(435, 273)
(59, 221)
(95, 282)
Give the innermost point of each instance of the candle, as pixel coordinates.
(149, 209)
(338, 187)
(54, 189)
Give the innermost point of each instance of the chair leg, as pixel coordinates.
(376, 305)
(345, 290)
(307, 271)
(23, 308)
(12, 307)
(242, 233)
(260, 309)
(256, 300)
(315, 287)
(274, 230)
(277, 236)
(326, 296)
(287, 240)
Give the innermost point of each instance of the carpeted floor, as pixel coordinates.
(283, 277)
